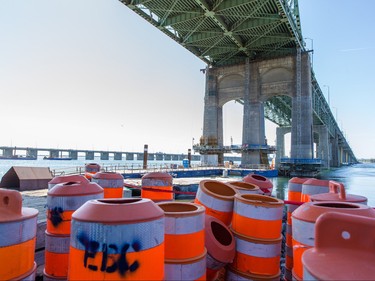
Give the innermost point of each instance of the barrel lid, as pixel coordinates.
(310, 211)
(219, 241)
(259, 200)
(244, 185)
(158, 175)
(75, 189)
(181, 209)
(316, 182)
(118, 210)
(218, 189)
(258, 180)
(92, 165)
(298, 180)
(108, 176)
(344, 242)
(336, 197)
(68, 178)
(11, 207)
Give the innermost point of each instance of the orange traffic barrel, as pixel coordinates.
(68, 178)
(117, 239)
(56, 256)
(187, 269)
(337, 193)
(220, 245)
(245, 187)
(17, 236)
(112, 183)
(257, 216)
(184, 229)
(157, 186)
(91, 169)
(63, 199)
(257, 256)
(264, 184)
(303, 225)
(313, 186)
(217, 197)
(344, 249)
(231, 274)
(295, 188)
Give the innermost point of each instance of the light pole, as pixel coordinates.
(329, 103)
(312, 50)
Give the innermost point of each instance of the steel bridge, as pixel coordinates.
(229, 32)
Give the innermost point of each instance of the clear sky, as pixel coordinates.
(92, 74)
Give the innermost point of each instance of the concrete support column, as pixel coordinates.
(212, 119)
(335, 152)
(253, 115)
(73, 154)
(90, 155)
(8, 152)
(280, 143)
(104, 156)
(323, 148)
(117, 156)
(31, 152)
(54, 153)
(129, 156)
(301, 139)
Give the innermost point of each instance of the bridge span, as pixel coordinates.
(255, 54)
(12, 152)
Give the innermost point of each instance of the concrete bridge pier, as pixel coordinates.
(335, 151)
(54, 153)
(8, 152)
(117, 156)
(90, 155)
(31, 152)
(253, 115)
(129, 156)
(302, 122)
(104, 156)
(73, 154)
(323, 147)
(212, 120)
(280, 143)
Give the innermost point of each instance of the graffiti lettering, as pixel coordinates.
(55, 216)
(109, 262)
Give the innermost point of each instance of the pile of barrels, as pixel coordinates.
(231, 231)
(325, 231)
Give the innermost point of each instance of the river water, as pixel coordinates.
(358, 179)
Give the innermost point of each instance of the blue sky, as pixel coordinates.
(92, 74)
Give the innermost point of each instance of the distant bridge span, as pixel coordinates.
(255, 54)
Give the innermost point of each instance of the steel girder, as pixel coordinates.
(222, 32)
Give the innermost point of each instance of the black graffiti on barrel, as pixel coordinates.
(55, 216)
(119, 264)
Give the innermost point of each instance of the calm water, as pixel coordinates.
(358, 179)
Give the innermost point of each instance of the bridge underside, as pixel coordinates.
(226, 32)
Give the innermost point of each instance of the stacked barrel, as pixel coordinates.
(17, 237)
(111, 182)
(257, 225)
(265, 185)
(117, 239)
(185, 252)
(303, 222)
(294, 194)
(91, 169)
(157, 186)
(62, 201)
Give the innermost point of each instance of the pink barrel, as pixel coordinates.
(264, 184)
(68, 178)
